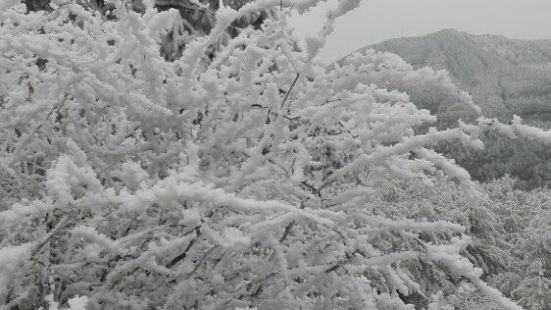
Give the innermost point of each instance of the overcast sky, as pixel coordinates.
(378, 20)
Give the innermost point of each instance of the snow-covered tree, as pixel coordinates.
(428, 89)
(243, 178)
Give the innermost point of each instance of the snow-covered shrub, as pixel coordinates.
(509, 231)
(528, 278)
(242, 178)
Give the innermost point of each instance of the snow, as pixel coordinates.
(239, 173)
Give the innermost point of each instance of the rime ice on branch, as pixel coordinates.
(241, 180)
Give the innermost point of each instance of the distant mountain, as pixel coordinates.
(503, 75)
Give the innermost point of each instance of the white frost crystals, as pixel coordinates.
(241, 180)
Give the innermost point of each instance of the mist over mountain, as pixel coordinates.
(504, 76)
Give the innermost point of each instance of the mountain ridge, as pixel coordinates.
(505, 76)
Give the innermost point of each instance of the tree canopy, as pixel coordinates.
(238, 174)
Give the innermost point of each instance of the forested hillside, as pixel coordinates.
(504, 76)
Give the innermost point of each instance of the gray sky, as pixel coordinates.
(378, 20)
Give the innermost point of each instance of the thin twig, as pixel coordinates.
(58, 227)
(286, 232)
(182, 255)
(289, 91)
